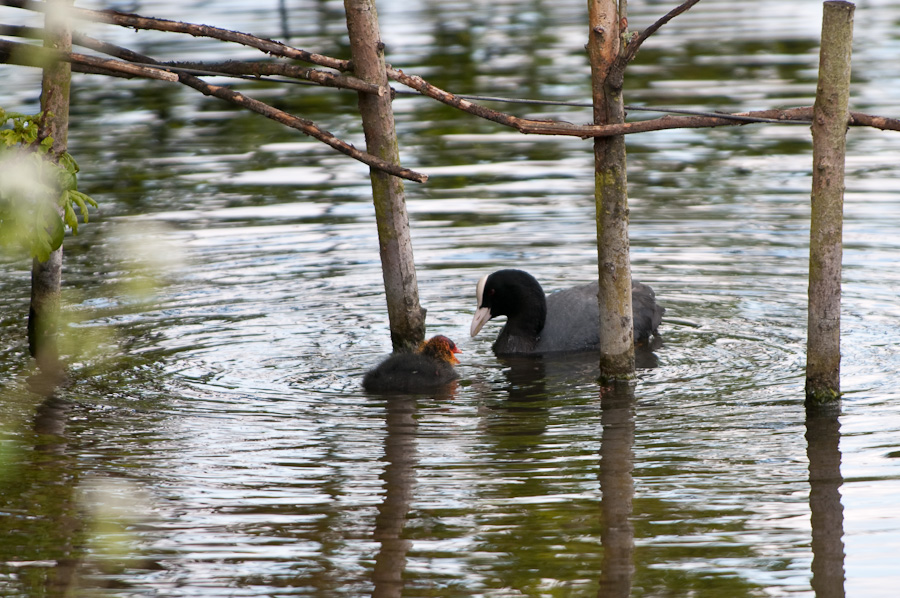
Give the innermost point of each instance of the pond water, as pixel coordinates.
(226, 298)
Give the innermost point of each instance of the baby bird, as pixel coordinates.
(430, 367)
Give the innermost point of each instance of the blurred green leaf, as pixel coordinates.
(67, 162)
(67, 181)
(82, 200)
(56, 230)
(29, 217)
(69, 217)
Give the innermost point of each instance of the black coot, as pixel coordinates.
(566, 320)
(430, 367)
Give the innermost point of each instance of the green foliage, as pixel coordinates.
(37, 196)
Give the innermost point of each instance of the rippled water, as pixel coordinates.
(227, 298)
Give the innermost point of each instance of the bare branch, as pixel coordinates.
(803, 115)
(138, 22)
(660, 124)
(25, 54)
(859, 119)
(617, 72)
(528, 126)
(549, 127)
(231, 67)
(635, 44)
(263, 69)
(445, 97)
(37, 56)
(301, 124)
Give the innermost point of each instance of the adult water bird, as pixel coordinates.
(430, 367)
(566, 320)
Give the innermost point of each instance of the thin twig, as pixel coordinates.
(879, 122)
(138, 22)
(37, 56)
(256, 70)
(631, 49)
(663, 123)
(19, 53)
(242, 69)
(301, 124)
(616, 76)
(691, 120)
(427, 89)
(694, 120)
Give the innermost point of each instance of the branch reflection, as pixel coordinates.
(617, 489)
(823, 434)
(399, 479)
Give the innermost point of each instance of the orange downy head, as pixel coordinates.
(440, 347)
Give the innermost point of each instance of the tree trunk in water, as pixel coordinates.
(43, 315)
(829, 131)
(611, 196)
(407, 318)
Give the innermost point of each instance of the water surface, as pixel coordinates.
(226, 300)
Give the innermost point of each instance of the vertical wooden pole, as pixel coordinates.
(407, 318)
(611, 195)
(43, 315)
(829, 132)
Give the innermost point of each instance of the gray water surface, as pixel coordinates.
(226, 299)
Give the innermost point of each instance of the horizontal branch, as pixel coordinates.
(858, 119)
(30, 55)
(803, 114)
(265, 69)
(301, 124)
(138, 22)
(228, 68)
(39, 57)
(547, 127)
(427, 89)
(528, 126)
(655, 124)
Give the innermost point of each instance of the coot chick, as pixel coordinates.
(563, 321)
(430, 367)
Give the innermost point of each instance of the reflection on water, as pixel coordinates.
(399, 482)
(215, 439)
(617, 488)
(823, 434)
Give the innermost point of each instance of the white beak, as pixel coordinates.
(482, 315)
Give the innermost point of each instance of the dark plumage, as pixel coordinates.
(430, 367)
(563, 321)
